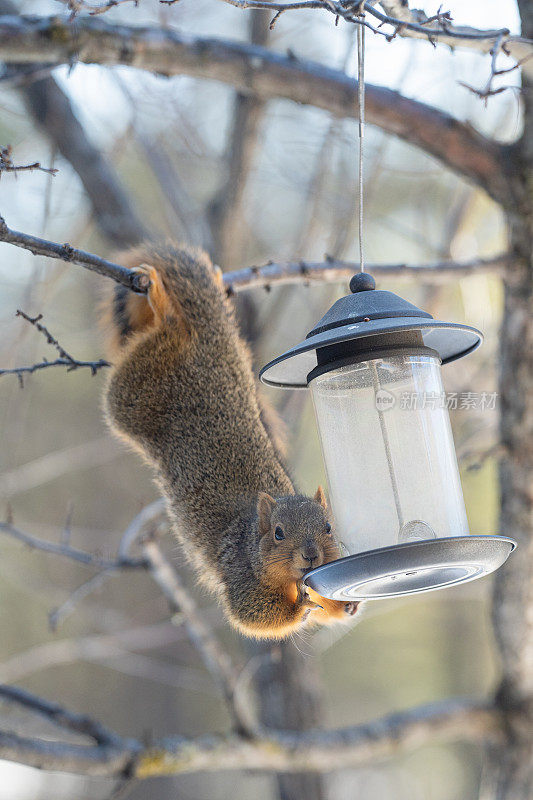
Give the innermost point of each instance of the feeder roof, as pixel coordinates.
(359, 316)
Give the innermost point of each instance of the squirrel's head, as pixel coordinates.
(296, 535)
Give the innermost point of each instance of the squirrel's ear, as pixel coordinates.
(265, 507)
(320, 497)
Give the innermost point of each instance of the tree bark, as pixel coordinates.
(511, 769)
(52, 111)
(256, 71)
(113, 212)
(290, 698)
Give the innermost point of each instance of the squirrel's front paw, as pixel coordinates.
(303, 600)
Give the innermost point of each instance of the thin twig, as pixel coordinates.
(72, 553)
(75, 6)
(64, 360)
(58, 615)
(79, 723)
(7, 165)
(151, 520)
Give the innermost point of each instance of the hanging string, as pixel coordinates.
(361, 96)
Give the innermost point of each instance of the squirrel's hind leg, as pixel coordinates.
(126, 313)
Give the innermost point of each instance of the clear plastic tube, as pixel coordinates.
(389, 453)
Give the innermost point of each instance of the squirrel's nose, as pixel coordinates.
(310, 553)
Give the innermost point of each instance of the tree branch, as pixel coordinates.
(53, 712)
(279, 751)
(214, 657)
(7, 164)
(415, 27)
(64, 360)
(258, 277)
(42, 247)
(64, 549)
(256, 71)
(332, 270)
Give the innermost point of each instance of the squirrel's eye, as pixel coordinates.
(278, 534)
(328, 527)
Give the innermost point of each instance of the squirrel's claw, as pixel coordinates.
(351, 608)
(303, 599)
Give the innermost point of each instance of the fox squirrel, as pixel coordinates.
(182, 392)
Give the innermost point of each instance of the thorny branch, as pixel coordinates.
(64, 360)
(7, 164)
(351, 10)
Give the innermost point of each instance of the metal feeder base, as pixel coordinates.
(410, 568)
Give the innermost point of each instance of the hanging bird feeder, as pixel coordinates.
(373, 366)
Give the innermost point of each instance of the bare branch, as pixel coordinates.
(41, 247)
(152, 519)
(64, 360)
(214, 657)
(333, 270)
(57, 616)
(7, 165)
(415, 21)
(279, 751)
(258, 277)
(327, 751)
(256, 71)
(63, 549)
(75, 6)
(355, 12)
(53, 712)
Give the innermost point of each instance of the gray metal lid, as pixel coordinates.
(364, 320)
(410, 568)
(450, 340)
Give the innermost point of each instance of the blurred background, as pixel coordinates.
(173, 145)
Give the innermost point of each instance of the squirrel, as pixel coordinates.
(183, 394)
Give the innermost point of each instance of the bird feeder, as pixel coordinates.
(373, 366)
